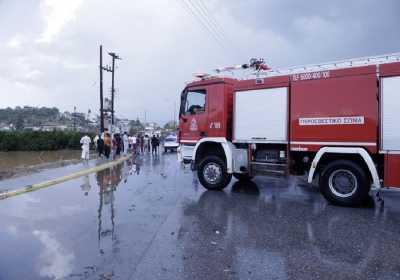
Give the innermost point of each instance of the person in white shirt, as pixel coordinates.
(85, 145)
(126, 142)
(132, 142)
(95, 141)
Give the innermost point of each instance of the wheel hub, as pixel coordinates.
(212, 173)
(343, 183)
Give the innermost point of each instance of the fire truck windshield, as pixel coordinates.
(195, 101)
(182, 105)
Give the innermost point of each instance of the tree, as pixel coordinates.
(19, 124)
(171, 125)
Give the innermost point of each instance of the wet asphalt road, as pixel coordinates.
(151, 219)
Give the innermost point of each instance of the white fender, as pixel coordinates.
(346, 150)
(226, 145)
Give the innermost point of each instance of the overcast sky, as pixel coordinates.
(49, 48)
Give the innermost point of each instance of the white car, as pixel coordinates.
(171, 143)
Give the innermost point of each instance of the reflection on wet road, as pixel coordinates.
(149, 218)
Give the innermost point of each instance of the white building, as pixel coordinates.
(123, 125)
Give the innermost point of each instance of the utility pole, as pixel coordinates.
(114, 57)
(88, 119)
(74, 117)
(112, 70)
(101, 91)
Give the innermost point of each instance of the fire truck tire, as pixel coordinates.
(212, 173)
(344, 183)
(242, 176)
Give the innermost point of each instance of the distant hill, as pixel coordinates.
(22, 116)
(25, 117)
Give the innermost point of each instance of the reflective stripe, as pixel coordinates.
(188, 141)
(390, 152)
(334, 143)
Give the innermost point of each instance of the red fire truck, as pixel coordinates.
(336, 122)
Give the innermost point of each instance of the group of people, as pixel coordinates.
(113, 145)
(144, 143)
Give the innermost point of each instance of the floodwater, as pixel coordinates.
(24, 162)
(149, 218)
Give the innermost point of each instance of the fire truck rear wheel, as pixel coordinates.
(242, 176)
(212, 173)
(344, 183)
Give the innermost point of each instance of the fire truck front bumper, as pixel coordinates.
(185, 153)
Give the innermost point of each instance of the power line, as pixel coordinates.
(216, 25)
(206, 12)
(192, 12)
(199, 10)
(206, 20)
(189, 8)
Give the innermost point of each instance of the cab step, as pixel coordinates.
(268, 168)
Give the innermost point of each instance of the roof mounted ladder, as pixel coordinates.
(347, 63)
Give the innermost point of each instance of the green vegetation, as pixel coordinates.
(40, 140)
(171, 125)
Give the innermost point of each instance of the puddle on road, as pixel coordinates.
(25, 162)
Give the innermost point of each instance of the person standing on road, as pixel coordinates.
(107, 145)
(115, 145)
(85, 145)
(153, 144)
(133, 144)
(100, 145)
(126, 142)
(147, 143)
(120, 144)
(130, 143)
(157, 143)
(141, 144)
(138, 144)
(95, 141)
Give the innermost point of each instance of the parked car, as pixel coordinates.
(171, 143)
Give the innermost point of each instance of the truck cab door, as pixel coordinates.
(193, 115)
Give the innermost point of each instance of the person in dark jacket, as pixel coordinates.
(154, 143)
(158, 143)
(100, 145)
(119, 144)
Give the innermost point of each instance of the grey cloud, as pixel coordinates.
(162, 45)
(325, 30)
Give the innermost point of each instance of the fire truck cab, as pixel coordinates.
(337, 122)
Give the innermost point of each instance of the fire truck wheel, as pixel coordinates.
(213, 174)
(344, 183)
(242, 176)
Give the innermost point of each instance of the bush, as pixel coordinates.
(40, 140)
